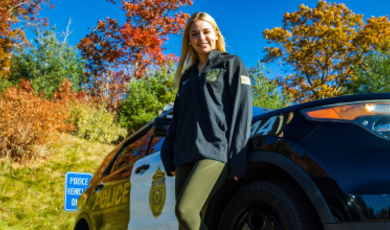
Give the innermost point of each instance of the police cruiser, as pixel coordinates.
(317, 165)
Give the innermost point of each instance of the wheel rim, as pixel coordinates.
(256, 217)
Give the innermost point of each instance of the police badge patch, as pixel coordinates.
(212, 75)
(157, 194)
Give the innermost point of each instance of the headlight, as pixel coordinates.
(371, 115)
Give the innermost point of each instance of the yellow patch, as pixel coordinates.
(245, 80)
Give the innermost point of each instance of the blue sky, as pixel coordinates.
(241, 21)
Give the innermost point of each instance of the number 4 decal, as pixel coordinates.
(254, 127)
(267, 127)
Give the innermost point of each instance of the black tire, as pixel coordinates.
(269, 205)
(82, 225)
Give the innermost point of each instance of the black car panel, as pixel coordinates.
(350, 162)
(347, 162)
(300, 177)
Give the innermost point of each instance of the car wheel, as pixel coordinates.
(269, 205)
(82, 225)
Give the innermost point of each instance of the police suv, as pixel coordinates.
(317, 165)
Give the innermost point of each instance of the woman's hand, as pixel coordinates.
(173, 173)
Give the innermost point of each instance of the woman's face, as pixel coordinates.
(202, 37)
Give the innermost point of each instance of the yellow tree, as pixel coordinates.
(320, 45)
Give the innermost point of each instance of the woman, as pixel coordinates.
(209, 132)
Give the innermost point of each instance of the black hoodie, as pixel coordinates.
(212, 115)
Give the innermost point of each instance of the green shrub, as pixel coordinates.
(4, 83)
(146, 97)
(96, 124)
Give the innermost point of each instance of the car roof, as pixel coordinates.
(255, 112)
(259, 110)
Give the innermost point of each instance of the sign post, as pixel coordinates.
(75, 184)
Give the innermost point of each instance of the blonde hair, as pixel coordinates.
(188, 55)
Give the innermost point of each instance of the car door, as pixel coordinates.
(153, 193)
(112, 202)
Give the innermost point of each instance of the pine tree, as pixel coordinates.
(266, 93)
(48, 63)
(372, 76)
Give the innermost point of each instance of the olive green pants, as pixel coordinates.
(195, 184)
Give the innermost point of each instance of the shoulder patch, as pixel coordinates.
(212, 75)
(245, 80)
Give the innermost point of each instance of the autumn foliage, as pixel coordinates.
(64, 93)
(116, 53)
(320, 45)
(28, 121)
(15, 17)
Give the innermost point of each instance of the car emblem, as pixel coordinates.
(157, 194)
(212, 75)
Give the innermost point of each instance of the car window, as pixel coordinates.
(131, 152)
(103, 166)
(156, 144)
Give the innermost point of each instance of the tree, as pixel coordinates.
(116, 53)
(320, 45)
(371, 76)
(48, 63)
(266, 93)
(15, 17)
(146, 97)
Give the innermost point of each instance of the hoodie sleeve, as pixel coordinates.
(241, 98)
(167, 147)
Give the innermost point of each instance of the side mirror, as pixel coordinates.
(161, 124)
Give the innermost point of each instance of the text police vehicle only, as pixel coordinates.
(75, 184)
(318, 165)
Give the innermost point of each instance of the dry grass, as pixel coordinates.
(32, 196)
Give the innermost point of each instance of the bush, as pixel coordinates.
(146, 97)
(4, 83)
(95, 124)
(28, 121)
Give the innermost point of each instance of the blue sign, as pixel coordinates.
(75, 184)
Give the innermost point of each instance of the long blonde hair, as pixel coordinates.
(188, 55)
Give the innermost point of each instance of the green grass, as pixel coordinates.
(33, 197)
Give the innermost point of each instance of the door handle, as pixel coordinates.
(99, 186)
(142, 167)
